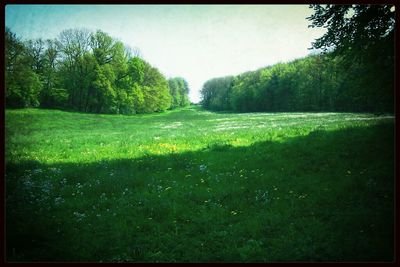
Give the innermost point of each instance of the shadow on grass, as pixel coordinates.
(324, 197)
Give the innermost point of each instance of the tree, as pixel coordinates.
(184, 93)
(155, 90)
(179, 91)
(49, 73)
(136, 69)
(363, 37)
(85, 71)
(103, 47)
(35, 50)
(104, 99)
(23, 85)
(174, 91)
(216, 93)
(352, 27)
(14, 48)
(74, 44)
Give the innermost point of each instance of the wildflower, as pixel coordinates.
(58, 201)
(202, 167)
(233, 212)
(28, 183)
(63, 181)
(36, 171)
(80, 216)
(202, 180)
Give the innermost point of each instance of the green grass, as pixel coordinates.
(196, 186)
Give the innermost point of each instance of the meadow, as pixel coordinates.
(190, 185)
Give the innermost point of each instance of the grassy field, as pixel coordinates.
(196, 186)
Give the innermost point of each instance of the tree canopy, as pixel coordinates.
(355, 72)
(86, 71)
(353, 27)
(362, 36)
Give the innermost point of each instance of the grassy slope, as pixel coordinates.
(192, 185)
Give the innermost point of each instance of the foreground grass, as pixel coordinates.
(197, 186)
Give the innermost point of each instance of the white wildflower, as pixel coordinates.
(202, 167)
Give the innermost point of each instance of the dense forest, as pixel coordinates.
(86, 71)
(355, 72)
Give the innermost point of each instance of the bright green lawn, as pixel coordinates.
(196, 186)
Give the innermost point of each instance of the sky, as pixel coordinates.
(195, 42)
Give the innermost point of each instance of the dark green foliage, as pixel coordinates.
(84, 71)
(314, 83)
(179, 91)
(23, 84)
(363, 37)
(353, 27)
(155, 90)
(356, 72)
(216, 93)
(25, 89)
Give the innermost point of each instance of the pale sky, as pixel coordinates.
(196, 42)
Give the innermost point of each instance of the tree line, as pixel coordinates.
(355, 72)
(86, 71)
